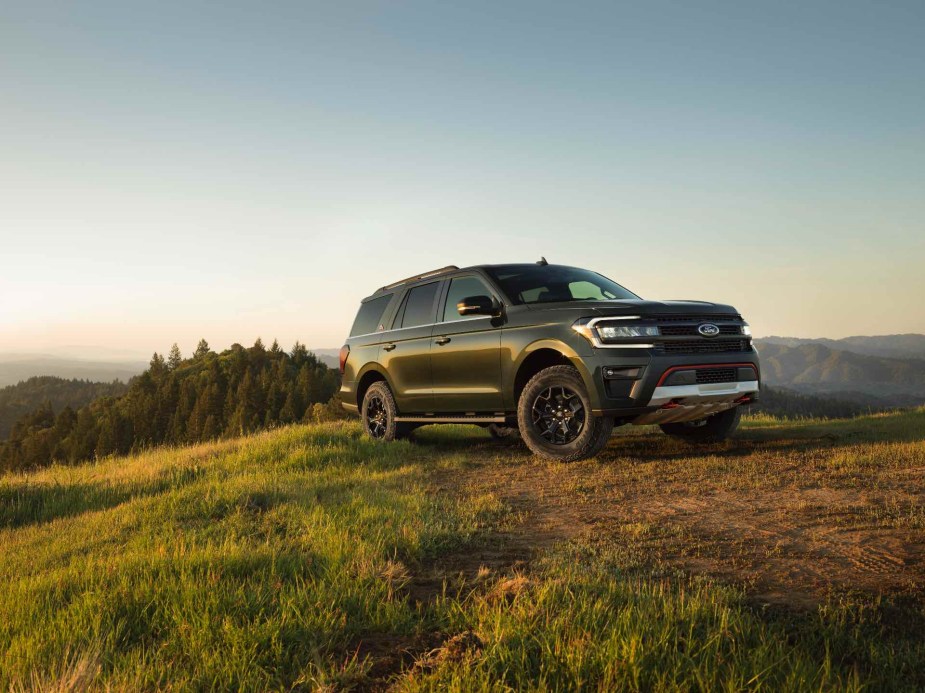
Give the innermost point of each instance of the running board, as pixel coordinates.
(450, 419)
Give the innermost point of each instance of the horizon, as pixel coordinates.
(177, 173)
(102, 354)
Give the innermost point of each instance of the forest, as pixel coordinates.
(178, 400)
(16, 401)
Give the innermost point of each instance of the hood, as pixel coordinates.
(638, 306)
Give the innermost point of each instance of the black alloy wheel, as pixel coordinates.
(559, 415)
(376, 417)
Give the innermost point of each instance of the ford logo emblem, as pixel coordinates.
(708, 330)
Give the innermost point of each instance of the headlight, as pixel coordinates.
(611, 332)
(746, 330)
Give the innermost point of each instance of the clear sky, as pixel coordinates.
(170, 171)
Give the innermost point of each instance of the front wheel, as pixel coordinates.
(709, 430)
(554, 416)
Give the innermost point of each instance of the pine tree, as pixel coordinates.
(157, 368)
(175, 358)
(299, 354)
(202, 350)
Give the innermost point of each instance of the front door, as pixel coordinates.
(405, 350)
(465, 353)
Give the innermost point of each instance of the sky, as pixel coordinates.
(177, 171)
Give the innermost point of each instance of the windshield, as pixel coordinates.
(551, 284)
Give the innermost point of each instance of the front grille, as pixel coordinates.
(715, 375)
(704, 346)
(685, 318)
(682, 330)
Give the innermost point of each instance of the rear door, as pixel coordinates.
(405, 349)
(465, 353)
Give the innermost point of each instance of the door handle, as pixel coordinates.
(442, 340)
(388, 347)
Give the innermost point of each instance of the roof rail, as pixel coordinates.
(432, 273)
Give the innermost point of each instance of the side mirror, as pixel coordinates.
(478, 305)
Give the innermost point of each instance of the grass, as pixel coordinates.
(309, 557)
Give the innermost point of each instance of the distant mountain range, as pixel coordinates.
(899, 346)
(857, 369)
(15, 368)
(329, 357)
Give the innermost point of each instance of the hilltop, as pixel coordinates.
(789, 558)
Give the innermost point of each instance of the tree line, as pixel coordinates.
(789, 404)
(16, 401)
(179, 400)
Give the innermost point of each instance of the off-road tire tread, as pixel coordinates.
(592, 439)
(393, 428)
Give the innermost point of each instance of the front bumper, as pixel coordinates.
(665, 381)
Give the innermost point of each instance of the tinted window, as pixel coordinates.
(552, 283)
(419, 305)
(370, 315)
(460, 288)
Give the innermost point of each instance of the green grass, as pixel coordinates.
(302, 558)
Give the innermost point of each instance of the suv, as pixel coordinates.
(559, 353)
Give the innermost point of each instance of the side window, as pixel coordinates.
(419, 305)
(370, 315)
(460, 288)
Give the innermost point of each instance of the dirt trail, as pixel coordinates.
(791, 540)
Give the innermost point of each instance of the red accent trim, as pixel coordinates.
(706, 365)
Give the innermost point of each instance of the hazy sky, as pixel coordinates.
(227, 170)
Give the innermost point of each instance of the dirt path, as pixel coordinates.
(749, 513)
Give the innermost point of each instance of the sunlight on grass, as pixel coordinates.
(293, 558)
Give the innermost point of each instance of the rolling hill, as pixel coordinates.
(816, 369)
(312, 558)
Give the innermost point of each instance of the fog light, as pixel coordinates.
(614, 373)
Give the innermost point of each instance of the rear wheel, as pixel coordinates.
(709, 430)
(379, 413)
(554, 416)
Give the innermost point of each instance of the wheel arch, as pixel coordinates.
(543, 354)
(369, 374)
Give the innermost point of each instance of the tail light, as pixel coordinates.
(344, 353)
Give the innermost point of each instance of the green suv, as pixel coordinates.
(559, 354)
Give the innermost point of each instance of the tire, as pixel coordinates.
(554, 417)
(712, 429)
(379, 412)
(502, 432)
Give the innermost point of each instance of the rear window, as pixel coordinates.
(369, 319)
